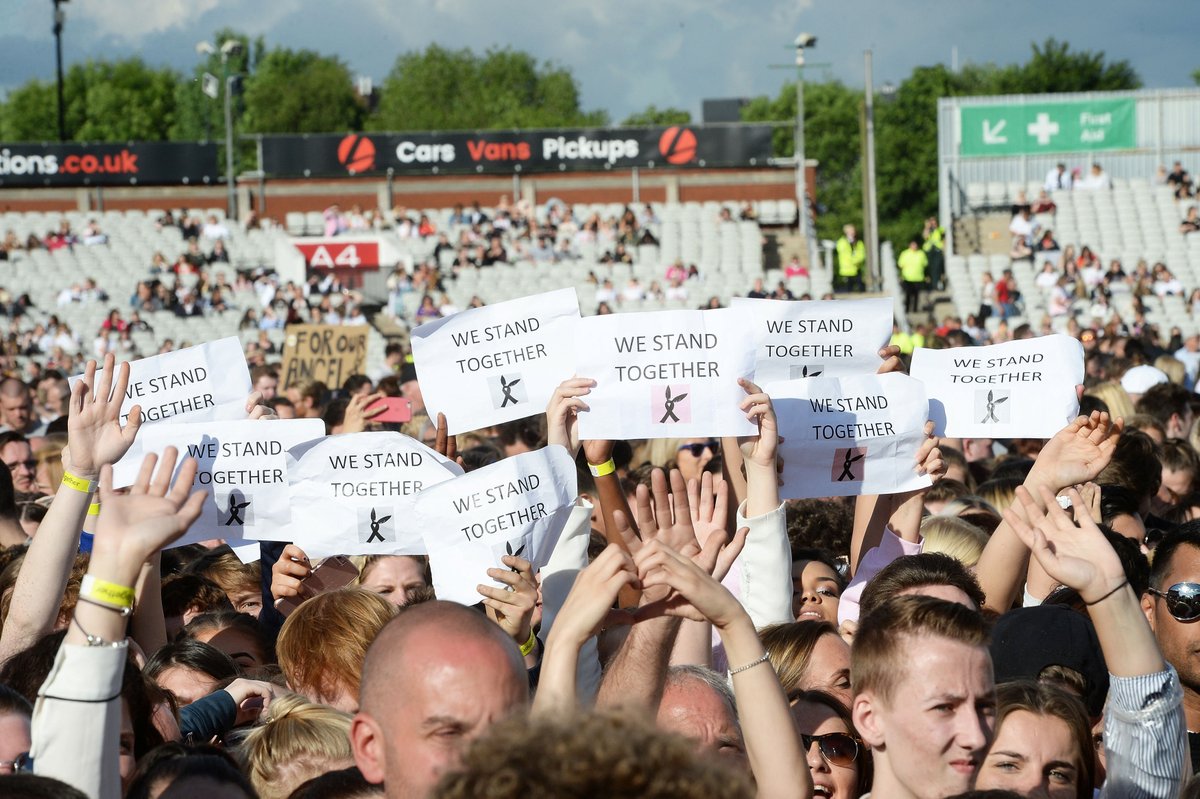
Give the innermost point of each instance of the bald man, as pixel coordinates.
(434, 679)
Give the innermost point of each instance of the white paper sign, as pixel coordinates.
(665, 374)
(352, 494)
(485, 366)
(517, 506)
(205, 383)
(1019, 389)
(243, 467)
(821, 338)
(845, 436)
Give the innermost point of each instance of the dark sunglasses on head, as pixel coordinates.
(698, 449)
(838, 748)
(1183, 600)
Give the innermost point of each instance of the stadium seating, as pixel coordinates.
(1135, 221)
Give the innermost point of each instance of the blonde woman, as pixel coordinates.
(298, 741)
(1114, 396)
(1173, 368)
(952, 536)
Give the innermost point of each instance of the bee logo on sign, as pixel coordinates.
(373, 528)
(990, 407)
(668, 406)
(237, 512)
(507, 390)
(848, 464)
(811, 370)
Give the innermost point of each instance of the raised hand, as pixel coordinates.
(94, 432)
(1077, 453)
(562, 413)
(692, 593)
(664, 514)
(709, 500)
(1078, 557)
(929, 456)
(589, 606)
(891, 361)
(759, 450)
(289, 572)
(358, 412)
(512, 608)
(445, 444)
(256, 410)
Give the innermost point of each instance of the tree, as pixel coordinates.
(1196, 77)
(441, 89)
(301, 92)
(105, 101)
(653, 116)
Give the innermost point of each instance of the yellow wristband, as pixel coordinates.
(528, 646)
(78, 483)
(106, 593)
(602, 469)
(94, 509)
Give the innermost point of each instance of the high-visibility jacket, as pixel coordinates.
(912, 265)
(936, 238)
(851, 257)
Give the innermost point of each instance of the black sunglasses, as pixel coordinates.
(838, 748)
(698, 449)
(1183, 600)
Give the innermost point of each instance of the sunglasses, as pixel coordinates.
(838, 748)
(1183, 600)
(698, 449)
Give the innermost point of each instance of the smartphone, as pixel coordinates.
(397, 409)
(328, 575)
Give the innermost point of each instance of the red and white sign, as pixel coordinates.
(339, 253)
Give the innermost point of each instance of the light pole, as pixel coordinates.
(60, 17)
(802, 42)
(229, 47)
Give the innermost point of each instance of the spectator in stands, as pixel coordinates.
(1058, 178)
(794, 268)
(73, 293)
(427, 311)
(335, 221)
(987, 297)
(1100, 313)
(1191, 222)
(214, 229)
(851, 260)
(1115, 278)
(676, 271)
(1047, 279)
(1096, 180)
(757, 292)
(16, 409)
(782, 292)
(93, 235)
(18, 457)
(1046, 242)
(1043, 204)
(219, 254)
(495, 253)
(633, 293)
(603, 309)
(1165, 283)
(676, 291)
(1024, 229)
(189, 305)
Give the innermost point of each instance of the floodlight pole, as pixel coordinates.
(60, 17)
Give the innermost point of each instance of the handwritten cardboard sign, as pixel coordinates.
(516, 506)
(243, 467)
(489, 365)
(665, 374)
(328, 353)
(1019, 389)
(845, 436)
(205, 383)
(352, 494)
(821, 338)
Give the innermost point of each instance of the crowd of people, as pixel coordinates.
(1021, 627)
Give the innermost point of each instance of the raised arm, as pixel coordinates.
(1145, 733)
(772, 744)
(1077, 454)
(95, 438)
(77, 719)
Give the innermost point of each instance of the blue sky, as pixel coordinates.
(625, 55)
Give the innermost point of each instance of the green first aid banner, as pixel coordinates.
(1038, 128)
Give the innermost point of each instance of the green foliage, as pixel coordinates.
(1196, 77)
(441, 89)
(301, 92)
(906, 130)
(105, 101)
(652, 116)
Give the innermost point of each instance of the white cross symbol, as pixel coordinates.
(1043, 129)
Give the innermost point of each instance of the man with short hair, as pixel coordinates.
(924, 696)
(16, 409)
(1169, 404)
(1174, 588)
(1058, 178)
(698, 704)
(435, 678)
(266, 380)
(18, 457)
